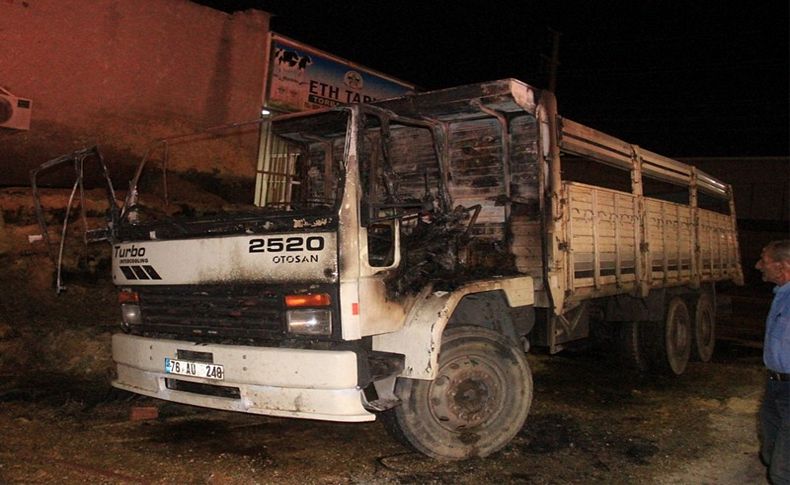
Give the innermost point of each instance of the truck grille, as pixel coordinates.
(215, 312)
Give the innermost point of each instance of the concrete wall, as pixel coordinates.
(119, 73)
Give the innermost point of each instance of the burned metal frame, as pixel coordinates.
(291, 126)
(77, 158)
(438, 131)
(165, 143)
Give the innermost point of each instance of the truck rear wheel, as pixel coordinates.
(477, 403)
(704, 327)
(668, 343)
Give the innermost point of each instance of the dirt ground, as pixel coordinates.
(591, 421)
(589, 424)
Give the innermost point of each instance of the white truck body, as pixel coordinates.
(426, 214)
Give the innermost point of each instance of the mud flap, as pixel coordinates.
(572, 325)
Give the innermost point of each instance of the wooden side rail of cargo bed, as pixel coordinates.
(613, 248)
(596, 145)
(618, 242)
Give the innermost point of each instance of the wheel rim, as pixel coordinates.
(467, 393)
(477, 402)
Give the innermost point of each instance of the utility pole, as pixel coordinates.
(554, 60)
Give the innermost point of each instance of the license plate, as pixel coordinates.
(194, 369)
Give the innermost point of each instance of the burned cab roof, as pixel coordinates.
(466, 102)
(306, 127)
(471, 101)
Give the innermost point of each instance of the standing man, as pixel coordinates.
(774, 263)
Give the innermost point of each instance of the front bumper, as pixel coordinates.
(314, 384)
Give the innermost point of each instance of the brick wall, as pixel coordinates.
(119, 73)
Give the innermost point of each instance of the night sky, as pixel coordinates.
(681, 78)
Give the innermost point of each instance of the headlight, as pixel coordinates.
(130, 309)
(130, 313)
(309, 321)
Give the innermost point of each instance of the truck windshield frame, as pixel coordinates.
(167, 201)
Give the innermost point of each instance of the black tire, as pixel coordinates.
(704, 327)
(668, 343)
(629, 346)
(478, 402)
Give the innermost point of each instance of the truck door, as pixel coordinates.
(78, 161)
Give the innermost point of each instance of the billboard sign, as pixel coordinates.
(304, 78)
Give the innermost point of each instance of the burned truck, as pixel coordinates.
(401, 258)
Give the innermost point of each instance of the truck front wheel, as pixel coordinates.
(477, 403)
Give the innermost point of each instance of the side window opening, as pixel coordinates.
(657, 189)
(711, 203)
(591, 172)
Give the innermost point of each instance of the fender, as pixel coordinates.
(420, 338)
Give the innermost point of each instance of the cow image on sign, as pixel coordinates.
(292, 59)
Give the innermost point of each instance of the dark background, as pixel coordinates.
(680, 78)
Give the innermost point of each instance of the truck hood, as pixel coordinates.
(254, 259)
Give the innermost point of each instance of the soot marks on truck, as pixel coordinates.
(442, 251)
(487, 181)
(307, 223)
(233, 189)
